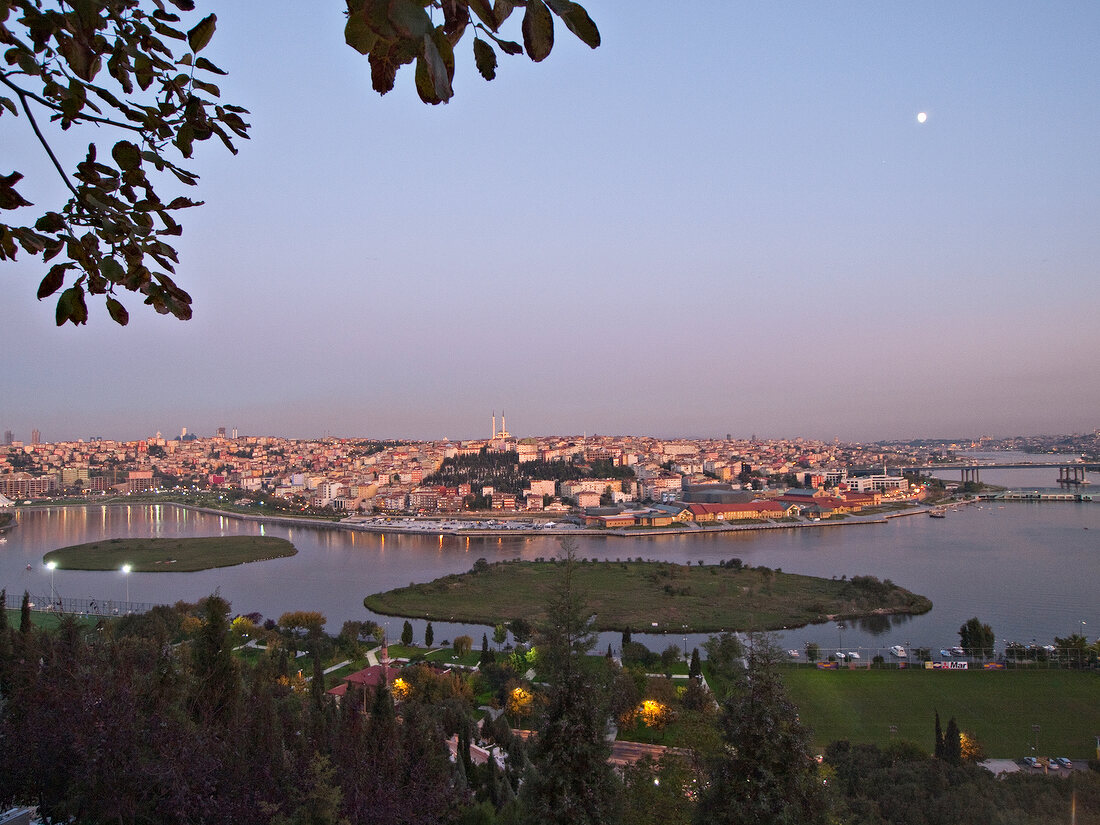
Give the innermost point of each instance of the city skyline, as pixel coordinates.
(705, 226)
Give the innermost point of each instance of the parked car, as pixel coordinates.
(1031, 762)
(1065, 763)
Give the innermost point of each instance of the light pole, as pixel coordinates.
(51, 566)
(126, 568)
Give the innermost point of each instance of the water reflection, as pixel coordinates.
(1027, 569)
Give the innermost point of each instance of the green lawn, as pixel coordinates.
(999, 707)
(50, 620)
(182, 555)
(649, 596)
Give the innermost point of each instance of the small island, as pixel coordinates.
(648, 596)
(160, 555)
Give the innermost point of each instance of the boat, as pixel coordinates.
(937, 512)
(792, 653)
(899, 651)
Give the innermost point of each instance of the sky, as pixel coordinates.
(725, 219)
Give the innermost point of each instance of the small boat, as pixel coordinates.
(899, 651)
(792, 653)
(937, 513)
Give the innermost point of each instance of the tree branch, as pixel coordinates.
(76, 118)
(41, 138)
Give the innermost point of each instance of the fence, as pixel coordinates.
(83, 606)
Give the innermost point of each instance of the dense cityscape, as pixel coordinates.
(502, 473)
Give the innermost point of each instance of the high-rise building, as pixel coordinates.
(234, 433)
(36, 437)
(8, 438)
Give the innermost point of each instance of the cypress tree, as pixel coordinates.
(939, 738)
(695, 669)
(952, 743)
(429, 635)
(25, 614)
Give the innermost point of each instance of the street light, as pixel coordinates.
(126, 568)
(51, 566)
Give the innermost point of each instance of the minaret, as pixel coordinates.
(493, 434)
(503, 425)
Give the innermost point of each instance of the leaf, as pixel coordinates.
(538, 30)
(206, 65)
(409, 19)
(383, 70)
(71, 307)
(118, 312)
(502, 10)
(507, 46)
(433, 80)
(209, 88)
(112, 270)
(484, 12)
(54, 280)
(359, 35)
(50, 222)
(126, 155)
(199, 36)
(576, 19)
(485, 58)
(7, 103)
(143, 71)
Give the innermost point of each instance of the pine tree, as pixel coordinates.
(766, 772)
(407, 633)
(216, 684)
(570, 781)
(429, 635)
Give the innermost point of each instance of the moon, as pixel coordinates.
(921, 117)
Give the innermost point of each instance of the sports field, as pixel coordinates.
(998, 707)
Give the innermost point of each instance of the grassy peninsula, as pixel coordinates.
(159, 555)
(650, 596)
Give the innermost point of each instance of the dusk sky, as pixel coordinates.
(726, 219)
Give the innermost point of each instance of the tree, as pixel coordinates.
(977, 639)
(813, 651)
(407, 633)
(766, 772)
(500, 635)
(215, 688)
(462, 645)
(521, 630)
(429, 635)
(25, 623)
(695, 669)
(570, 780)
(157, 98)
(724, 653)
(952, 743)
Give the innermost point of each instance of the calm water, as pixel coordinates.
(1028, 569)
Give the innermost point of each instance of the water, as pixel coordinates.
(1027, 569)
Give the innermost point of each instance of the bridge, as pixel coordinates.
(1068, 472)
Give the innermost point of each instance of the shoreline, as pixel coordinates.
(461, 528)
